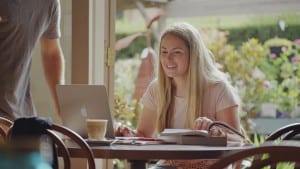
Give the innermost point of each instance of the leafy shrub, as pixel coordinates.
(126, 109)
(283, 71)
(262, 77)
(240, 63)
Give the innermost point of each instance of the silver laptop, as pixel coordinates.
(78, 102)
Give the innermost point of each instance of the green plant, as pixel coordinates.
(258, 139)
(262, 77)
(283, 71)
(242, 66)
(126, 112)
(126, 109)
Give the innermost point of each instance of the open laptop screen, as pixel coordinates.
(77, 102)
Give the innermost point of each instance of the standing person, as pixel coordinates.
(189, 92)
(22, 24)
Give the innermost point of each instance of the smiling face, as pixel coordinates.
(174, 56)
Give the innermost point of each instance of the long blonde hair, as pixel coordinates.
(202, 72)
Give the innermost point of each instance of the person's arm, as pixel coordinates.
(145, 128)
(53, 62)
(229, 116)
(147, 123)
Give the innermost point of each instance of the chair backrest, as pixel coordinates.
(79, 141)
(39, 130)
(55, 131)
(275, 154)
(285, 133)
(5, 124)
(2, 134)
(63, 150)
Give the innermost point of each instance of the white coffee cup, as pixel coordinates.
(96, 128)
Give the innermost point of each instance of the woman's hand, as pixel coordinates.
(124, 131)
(202, 123)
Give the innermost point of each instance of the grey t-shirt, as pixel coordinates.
(22, 24)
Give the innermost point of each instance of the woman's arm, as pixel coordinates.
(228, 116)
(147, 123)
(145, 128)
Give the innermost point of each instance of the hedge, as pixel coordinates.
(262, 33)
(236, 37)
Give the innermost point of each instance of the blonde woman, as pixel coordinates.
(189, 92)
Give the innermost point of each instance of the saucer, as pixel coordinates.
(98, 142)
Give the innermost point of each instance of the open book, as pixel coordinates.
(191, 137)
(184, 132)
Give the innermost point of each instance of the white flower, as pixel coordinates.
(258, 74)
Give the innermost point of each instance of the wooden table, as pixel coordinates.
(138, 155)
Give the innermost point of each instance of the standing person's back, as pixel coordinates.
(22, 24)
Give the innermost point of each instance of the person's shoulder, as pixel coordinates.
(152, 88)
(218, 85)
(55, 3)
(221, 87)
(153, 84)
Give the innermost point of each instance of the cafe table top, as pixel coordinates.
(158, 151)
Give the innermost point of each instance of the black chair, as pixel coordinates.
(272, 155)
(287, 132)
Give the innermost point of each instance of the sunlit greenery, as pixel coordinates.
(259, 75)
(126, 108)
(137, 25)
